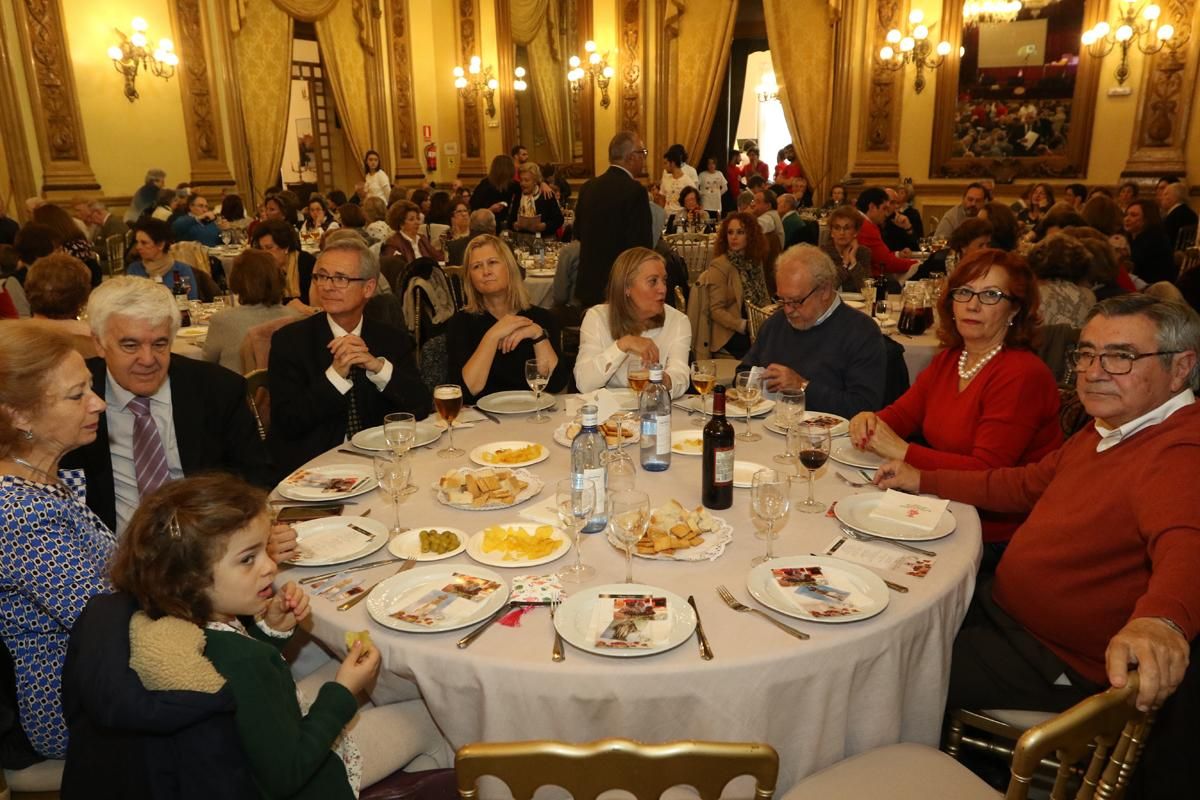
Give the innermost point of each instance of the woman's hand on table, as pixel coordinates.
(639, 346)
(359, 669)
(282, 544)
(898, 475)
(288, 607)
(869, 432)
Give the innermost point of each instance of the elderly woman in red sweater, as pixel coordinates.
(984, 401)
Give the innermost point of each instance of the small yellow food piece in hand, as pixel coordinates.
(518, 544)
(359, 636)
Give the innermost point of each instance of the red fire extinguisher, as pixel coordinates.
(431, 157)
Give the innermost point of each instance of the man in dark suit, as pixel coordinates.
(166, 415)
(335, 373)
(1177, 215)
(611, 216)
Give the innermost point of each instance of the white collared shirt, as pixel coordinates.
(120, 443)
(837, 301)
(1111, 437)
(379, 379)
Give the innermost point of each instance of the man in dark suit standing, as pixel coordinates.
(611, 216)
(1177, 215)
(166, 415)
(334, 374)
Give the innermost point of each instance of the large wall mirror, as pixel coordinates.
(554, 125)
(1019, 100)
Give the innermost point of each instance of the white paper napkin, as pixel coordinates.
(915, 511)
(544, 514)
(605, 401)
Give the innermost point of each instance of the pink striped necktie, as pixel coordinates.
(149, 457)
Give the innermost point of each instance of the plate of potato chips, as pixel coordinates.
(509, 454)
(428, 543)
(518, 544)
(487, 488)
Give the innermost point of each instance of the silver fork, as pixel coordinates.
(556, 654)
(867, 537)
(848, 482)
(733, 603)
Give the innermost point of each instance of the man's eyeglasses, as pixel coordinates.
(336, 281)
(791, 305)
(989, 297)
(642, 152)
(1112, 363)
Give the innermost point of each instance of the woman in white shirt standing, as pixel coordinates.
(674, 179)
(375, 182)
(712, 185)
(636, 321)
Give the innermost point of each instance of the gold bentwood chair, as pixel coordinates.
(645, 770)
(757, 316)
(258, 396)
(695, 249)
(1105, 729)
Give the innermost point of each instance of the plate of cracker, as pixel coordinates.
(677, 534)
(487, 488)
(611, 428)
(509, 454)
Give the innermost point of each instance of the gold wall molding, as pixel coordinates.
(470, 120)
(877, 151)
(1165, 100)
(406, 156)
(197, 87)
(630, 100)
(65, 168)
(15, 149)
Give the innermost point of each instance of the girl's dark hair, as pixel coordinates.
(439, 208)
(166, 556)
(232, 208)
(158, 231)
(366, 155)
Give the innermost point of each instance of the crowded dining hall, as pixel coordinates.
(722, 398)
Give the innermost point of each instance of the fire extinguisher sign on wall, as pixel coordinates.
(431, 157)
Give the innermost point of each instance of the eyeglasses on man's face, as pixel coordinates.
(792, 305)
(1116, 363)
(338, 281)
(989, 297)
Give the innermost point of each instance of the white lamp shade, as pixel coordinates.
(458, 72)
(920, 32)
(138, 39)
(115, 53)
(1101, 29)
(1152, 12)
(893, 36)
(907, 44)
(1166, 32)
(519, 72)
(573, 61)
(1124, 33)
(493, 84)
(916, 16)
(589, 46)
(138, 24)
(1088, 38)
(943, 48)
(460, 83)
(608, 72)
(886, 53)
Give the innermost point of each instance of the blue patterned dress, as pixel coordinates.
(53, 559)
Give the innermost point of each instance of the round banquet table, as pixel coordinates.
(918, 351)
(850, 688)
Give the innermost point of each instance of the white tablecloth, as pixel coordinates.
(918, 351)
(541, 290)
(850, 688)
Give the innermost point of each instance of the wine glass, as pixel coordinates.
(447, 399)
(770, 498)
(748, 393)
(393, 472)
(400, 433)
(621, 473)
(629, 513)
(638, 374)
(537, 375)
(575, 503)
(789, 411)
(704, 377)
(811, 445)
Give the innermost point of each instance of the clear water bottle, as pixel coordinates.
(655, 411)
(589, 465)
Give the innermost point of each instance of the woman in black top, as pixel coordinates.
(1149, 247)
(498, 330)
(499, 190)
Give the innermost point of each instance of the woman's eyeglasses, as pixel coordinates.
(989, 297)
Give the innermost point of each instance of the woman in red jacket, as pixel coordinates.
(986, 400)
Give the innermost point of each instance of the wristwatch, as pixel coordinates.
(541, 338)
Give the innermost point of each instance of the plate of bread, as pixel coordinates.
(487, 488)
(677, 534)
(612, 428)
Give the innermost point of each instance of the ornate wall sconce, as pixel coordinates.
(1134, 25)
(913, 47)
(481, 82)
(597, 69)
(132, 53)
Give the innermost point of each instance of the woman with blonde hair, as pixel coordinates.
(534, 212)
(376, 213)
(498, 330)
(636, 321)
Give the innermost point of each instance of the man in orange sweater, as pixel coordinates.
(1103, 573)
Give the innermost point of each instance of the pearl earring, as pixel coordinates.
(27, 434)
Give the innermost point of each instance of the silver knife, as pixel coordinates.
(465, 641)
(355, 453)
(705, 649)
(360, 567)
(487, 414)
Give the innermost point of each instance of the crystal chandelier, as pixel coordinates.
(979, 11)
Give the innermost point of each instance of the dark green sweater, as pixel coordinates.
(289, 752)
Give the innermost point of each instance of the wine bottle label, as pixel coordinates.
(723, 465)
(664, 435)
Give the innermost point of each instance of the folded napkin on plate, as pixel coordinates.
(630, 621)
(915, 511)
(544, 514)
(465, 419)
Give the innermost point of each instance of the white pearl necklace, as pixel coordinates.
(967, 374)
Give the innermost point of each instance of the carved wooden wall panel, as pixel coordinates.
(15, 145)
(197, 86)
(406, 155)
(877, 152)
(52, 96)
(470, 108)
(630, 94)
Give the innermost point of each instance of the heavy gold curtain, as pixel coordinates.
(699, 58)
(303, 10)
(535, 25)
(800, 34)
(346, 73)
(263, 55)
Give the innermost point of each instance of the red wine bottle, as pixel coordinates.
(716, 490)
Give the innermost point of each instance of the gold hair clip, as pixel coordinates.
(174, 529)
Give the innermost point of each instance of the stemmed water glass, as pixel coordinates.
(811, 445)
(400, 433)
(770, 498)
(393, 472)
(621, 473)
(575, 503)
(537, 375)
(749, 393)
(789, 410)
(629, 513)
(704, 378)
(447, 399)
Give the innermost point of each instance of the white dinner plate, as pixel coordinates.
(395, 592)
(627, 399)
(688, 443)
(496, 559)
(408, 544)
(300, 484)
(838, 426)
(515, 402)
(715, 542)
(846, 453)
(373, 438)
(858, 296)
(867, 593)
(573, 619)
(535, 486)
(540, 273)
(480, 454)
(743, 473)
(192, 332)
(565, 434)
(732, 409)
(855, 511)
(337, 541)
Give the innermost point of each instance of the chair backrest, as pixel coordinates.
(645, 770)
(1054, 342)
(194, 254)
(1106, 729)
(699, 313)
(695, 249)
(258, 395)
(1185, 238)
(114, 253)
(756, 316)
(456, 275)
(1191, 259)
(680, 301)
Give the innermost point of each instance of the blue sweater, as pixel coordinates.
(844, 358)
